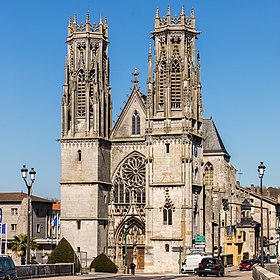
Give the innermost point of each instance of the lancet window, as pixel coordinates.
(167, 214)
(208, 174)
(79, 155)
(91, 92)
(135, 123)
(175, 84)
(162, 81)
(81, 94)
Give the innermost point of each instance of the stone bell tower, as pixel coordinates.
(85, 149)
(174, 142)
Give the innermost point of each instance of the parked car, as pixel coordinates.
(246, 265)
(7, 268)
(255, 261)
(211, 266)
(273, 259)
(192, 260)
(265, 259)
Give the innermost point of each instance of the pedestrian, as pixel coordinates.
(132, 267)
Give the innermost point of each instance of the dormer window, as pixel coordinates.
(135, 123)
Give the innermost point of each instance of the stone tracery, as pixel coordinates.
(129, 183)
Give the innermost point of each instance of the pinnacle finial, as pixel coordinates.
(75, 18)
(198, 55)
(135, 74)
(168, 10)
(157, 13)
(87, 17)
(183, 11)
(70, 21)
(192, 13)
(100, 19)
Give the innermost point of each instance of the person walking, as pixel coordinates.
(132, 267)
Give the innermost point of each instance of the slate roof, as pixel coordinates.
(212, 140)
(19, 196)
(248, 222)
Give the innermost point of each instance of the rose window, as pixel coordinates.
(133, 171)
(129, 182)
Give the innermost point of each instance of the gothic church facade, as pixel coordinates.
(154, 180)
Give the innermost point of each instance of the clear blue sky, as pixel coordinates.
(240, 61)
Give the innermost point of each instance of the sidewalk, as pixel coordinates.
(92, 275)
(101, 275)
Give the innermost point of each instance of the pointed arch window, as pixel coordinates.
(162, 82)
(81, 94)
(135, 123)
(129, 183)
(208, 174)
(91, 91)
(175, 84)
(167, 214)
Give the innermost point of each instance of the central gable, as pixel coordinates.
(131, 122)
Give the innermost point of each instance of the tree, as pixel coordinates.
(64, 253)
(103, 264)
(19, 245)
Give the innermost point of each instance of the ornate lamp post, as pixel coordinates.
(261, 170)
(32, 174)
(125, 247)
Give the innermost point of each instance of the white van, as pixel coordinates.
(192, 260)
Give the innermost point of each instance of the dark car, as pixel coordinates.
(265, 259)
(255, 261)
(211, 266)
(7, 268)
(246, 265)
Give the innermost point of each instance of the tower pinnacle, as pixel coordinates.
(135, 75)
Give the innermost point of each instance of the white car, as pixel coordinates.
(192, 260)
(273, 259)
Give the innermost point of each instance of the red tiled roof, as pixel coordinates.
(56, 206)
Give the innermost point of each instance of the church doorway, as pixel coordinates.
(135, 254)
(127, 209)
(131, 244)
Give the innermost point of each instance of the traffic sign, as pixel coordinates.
(200, 245)
(199, 237)
(177, 249)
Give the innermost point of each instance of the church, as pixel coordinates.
(150, 184)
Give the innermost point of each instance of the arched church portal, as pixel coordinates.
(128, 199)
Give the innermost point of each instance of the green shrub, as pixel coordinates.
(64, 253)
(103, 264)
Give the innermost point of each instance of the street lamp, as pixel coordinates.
(125, 246)
(32, 174)
(261, 170)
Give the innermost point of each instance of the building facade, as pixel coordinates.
(248, 225)
(14, 219)
(140, 190)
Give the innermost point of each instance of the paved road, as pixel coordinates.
(231, 273)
